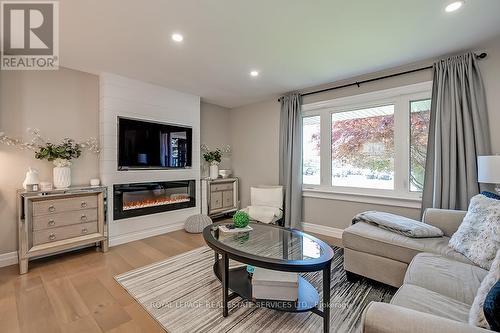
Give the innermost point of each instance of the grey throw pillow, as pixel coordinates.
(476, 313)
(477, 238)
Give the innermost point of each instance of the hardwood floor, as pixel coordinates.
(76, 292)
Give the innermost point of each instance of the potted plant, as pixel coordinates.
(61, 155)
(213, 158)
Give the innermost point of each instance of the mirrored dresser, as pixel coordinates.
(60, 220)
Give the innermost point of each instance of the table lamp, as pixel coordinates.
(488, 170)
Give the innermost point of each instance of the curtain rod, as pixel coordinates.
(479, 56)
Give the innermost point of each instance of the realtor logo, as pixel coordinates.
(29, 35)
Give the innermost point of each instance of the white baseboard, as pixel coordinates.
(133, 236)
(323, 230)
(7, 259)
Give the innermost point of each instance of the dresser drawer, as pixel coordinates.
(63, 205)
(65, 218)
(221, 187)
(60, 233)
(216, 200)
(227, 199)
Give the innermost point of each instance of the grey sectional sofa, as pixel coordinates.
(436, 284)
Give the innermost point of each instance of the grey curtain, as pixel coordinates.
(290, 159)
(458, 133)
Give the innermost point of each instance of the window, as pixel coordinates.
(376, 145)
(311, 150)
(420, 112)
(363, 148)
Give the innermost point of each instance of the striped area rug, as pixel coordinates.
(184, 296)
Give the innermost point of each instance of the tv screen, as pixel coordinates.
(147, 145)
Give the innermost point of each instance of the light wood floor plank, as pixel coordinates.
(66, 302)
(8, 308)
(34, 310)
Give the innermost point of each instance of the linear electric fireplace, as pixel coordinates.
(149, 198)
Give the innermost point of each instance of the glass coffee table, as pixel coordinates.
(272, 247)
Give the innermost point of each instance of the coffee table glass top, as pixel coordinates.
(272, 242)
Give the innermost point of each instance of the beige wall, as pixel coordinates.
(61, 104)
(260, 148)
(254, 140)
(338, 214)
(215, 132)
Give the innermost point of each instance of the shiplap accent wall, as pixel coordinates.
(120, 96)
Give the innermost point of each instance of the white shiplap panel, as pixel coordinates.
(125, 97)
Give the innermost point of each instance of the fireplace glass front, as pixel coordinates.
(155, 197)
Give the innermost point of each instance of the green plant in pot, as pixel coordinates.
(61, 155)
(241, 219)
(214, 158)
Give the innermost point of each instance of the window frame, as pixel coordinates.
(400, 97)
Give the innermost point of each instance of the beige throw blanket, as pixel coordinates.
(398, 224)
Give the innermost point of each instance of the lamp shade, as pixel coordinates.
(488, 169)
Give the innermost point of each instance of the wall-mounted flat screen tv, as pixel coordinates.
(150, 145)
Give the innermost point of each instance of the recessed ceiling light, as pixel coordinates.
(177, 37)
(254, 73)
(454, 6)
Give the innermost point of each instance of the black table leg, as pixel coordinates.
(225, 284)
(326, 298)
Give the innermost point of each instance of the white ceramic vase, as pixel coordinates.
(62, 177)
(62, 173)
(214, 171)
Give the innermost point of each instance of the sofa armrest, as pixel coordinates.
(388, 318)
(445, 219)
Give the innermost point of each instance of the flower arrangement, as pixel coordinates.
(214, 157)
(60, 153)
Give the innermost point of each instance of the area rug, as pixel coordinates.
(184, 296)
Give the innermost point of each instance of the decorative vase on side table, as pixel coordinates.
(214, 170)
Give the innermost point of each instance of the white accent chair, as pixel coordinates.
(266, 204)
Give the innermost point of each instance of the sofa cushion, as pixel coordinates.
(427, 301)
(476, 316)
(491, 307)
(478, 237)
(368, 238)
(450, 278)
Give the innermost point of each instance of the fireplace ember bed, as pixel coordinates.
(130, 200)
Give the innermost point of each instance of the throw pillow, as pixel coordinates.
(476, 313)
(477, 238)
(491, 307)
(491, 195)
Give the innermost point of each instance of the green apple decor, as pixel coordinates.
(241, 219)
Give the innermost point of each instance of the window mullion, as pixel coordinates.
(326, 149)
(401, 145)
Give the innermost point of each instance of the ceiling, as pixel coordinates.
(293, 43)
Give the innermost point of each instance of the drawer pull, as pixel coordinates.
(52, 208)
(83, 217)
(84, 231)
(52, 237)
(83, 204)
(52, 223)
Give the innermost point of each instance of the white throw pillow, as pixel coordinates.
(477, 238)
(476, 313)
